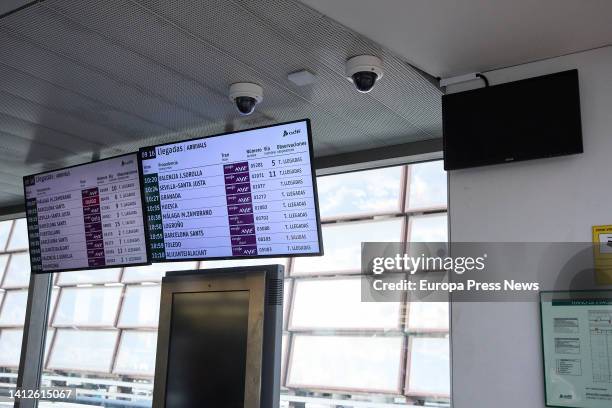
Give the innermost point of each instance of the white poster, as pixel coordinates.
(577, 343)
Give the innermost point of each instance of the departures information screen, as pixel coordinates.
(245, 194)
(87, 217)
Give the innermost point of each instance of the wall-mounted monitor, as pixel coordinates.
(88, 216)
(244, 194)
(528, 119)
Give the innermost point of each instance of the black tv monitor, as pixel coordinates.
(219, 339)
(88, 216)
(246, 194)
(528, 119)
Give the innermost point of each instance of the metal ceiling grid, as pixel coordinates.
(22, 96)
(188, 53)
(84, 78)
(404, 90)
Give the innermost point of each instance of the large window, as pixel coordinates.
(14, 282)
(336, 349)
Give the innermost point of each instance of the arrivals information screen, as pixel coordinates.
(86, 217)
(244, 194)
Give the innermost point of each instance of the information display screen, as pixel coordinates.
(204, 334)
(244, 194)
(577, 345)
(87, 217)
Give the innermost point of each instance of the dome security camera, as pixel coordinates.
(364, 71)
(245, 95)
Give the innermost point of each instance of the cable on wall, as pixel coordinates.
(484, 78)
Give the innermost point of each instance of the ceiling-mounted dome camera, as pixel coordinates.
(364, 71)
(245, 95)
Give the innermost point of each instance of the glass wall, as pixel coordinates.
(337, 350)
(14, 282)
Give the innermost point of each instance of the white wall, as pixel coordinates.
(496, 349)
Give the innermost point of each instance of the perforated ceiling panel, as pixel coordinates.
(81, 79)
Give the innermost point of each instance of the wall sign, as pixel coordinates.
(577, 348)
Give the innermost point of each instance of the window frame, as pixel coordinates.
(12, 255)
(7, 248)
(401, 202)
(13, 329)
(400, 369)
(3, 305)
(59, 275)
(8, 234)
(55, 325)
(405, 213)
(115, 359)
(425, 208)
(352, 271)
(398, 328)
(418, 393)
(124, 295)
(419, 214)
(3, 271)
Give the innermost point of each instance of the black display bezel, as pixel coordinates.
(142, 203)
(314, 188)
(572, 86)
